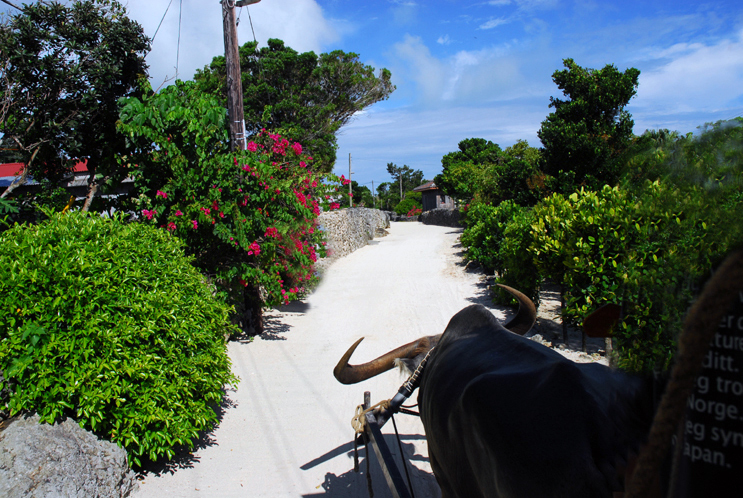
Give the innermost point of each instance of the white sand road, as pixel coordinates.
(285, 431)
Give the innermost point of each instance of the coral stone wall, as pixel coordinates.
(442, 217)
(349, 229)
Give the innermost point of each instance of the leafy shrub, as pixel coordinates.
(406, 205)
(518, 269)
(642, 249)
(109, 323)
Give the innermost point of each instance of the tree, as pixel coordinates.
(66, 69)
(586, 132)
(405, 177)
(388, 195)
(362, 196)
(462, 174)
(307, 96)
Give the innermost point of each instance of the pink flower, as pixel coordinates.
(272, 232)
(255, 248)
(195, 224)
(162, 194)
(171, 226)
(297, 148)
(252, 146)
(179, 213)
(149, 214)
(302, 164)
(334, 205)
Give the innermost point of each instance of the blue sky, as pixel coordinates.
(468, 69)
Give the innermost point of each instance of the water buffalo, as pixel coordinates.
(507, 417)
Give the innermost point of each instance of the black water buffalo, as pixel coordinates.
(508, 417)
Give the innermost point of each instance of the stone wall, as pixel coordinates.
(441, 217)
(349, 229)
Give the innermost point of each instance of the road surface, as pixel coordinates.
(285, 431)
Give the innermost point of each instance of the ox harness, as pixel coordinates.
(367, 423)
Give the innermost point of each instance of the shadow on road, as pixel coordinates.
(353, 484)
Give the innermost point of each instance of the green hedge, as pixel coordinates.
(108, 322)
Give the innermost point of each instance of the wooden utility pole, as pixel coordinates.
(374, 197)
(235, 112)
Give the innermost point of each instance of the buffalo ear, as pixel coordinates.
(406, 365)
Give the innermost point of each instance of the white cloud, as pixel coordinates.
(498, 73)
(697, 77)
(444, 40)
(492, 23)
(499, 3)
(300, 23)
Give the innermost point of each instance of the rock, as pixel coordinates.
(41, 460)
(442, 217)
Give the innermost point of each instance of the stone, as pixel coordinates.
(42, 460)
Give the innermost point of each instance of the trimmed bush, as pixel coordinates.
(107, 322)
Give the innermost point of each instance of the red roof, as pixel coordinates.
(14, 169)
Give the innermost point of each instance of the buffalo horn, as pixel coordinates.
(351, 374)
(525, 316)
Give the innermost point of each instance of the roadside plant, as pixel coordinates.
(249, 218)
(108, 322)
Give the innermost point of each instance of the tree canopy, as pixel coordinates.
(591, 127)
(309, 97)
(481, 170)
(405, 178)
(64, 70)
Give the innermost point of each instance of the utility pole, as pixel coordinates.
(235, 112)
(374, 196)
(350, 186)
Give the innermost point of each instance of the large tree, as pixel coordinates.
(463, 169)
(405, 177)
(481, 171)
(589, 129)
(309, 97)
(65, 69)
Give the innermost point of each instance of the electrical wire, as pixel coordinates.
(178, 50)
(251, 24)
(161, 21)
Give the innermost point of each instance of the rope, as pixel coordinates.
(358, 422)
(699, 328)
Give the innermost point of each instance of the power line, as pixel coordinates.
(178, 50)
(12, 5)
(251, 24)
(161, 21)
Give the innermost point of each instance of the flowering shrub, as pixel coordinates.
(249, 217)
(414, 212)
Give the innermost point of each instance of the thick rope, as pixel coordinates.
(699, 328)
(358, 422)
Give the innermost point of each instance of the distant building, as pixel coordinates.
(433, 197)
(76, 182)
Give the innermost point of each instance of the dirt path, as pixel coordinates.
(285, 431)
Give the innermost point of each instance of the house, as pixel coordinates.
(76, 183)
(433, 197)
